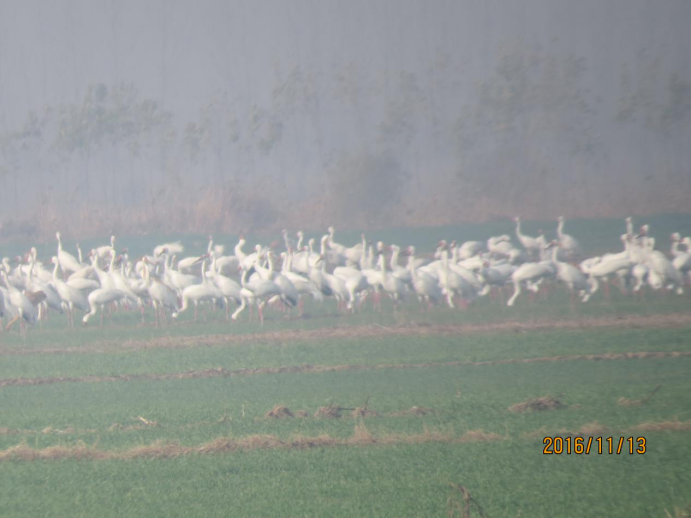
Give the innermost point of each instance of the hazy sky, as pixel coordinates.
(421, 70)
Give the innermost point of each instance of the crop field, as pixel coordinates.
(398, 413)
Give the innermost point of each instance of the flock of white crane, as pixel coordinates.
(452, 275)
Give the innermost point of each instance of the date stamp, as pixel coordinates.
(601, 445)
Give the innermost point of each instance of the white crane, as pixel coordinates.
(206, 291)
(602, 269)
(391, 284)
(574, 278)
(103, 252)
(258, 290)
(426, 288)
(23, 308)
(530, 273)
(177, 280)
(162, 296)
(68, 263)
(99, 299)
(569, 248)
(533, 245)
(72, 297)
(453, 284)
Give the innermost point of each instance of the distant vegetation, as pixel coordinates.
(347, 145)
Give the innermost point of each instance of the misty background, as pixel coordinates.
(235, 115)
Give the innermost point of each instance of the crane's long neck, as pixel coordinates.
(411, 259)
(560, 228)
(10, 286)
(96, 266)
(238, 250)
(147, 275)
(55, 270)
(323, 244)
(32, 262)
(519, 234)
(382, 266)
(270, 259)
(444, 272)
(301, 238)
(411, 266)
(394, 257)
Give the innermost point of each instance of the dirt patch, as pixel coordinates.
(412, 411)
(166, 450)
(460, 504)
(593, 429)
(664, 426)
(221, 372)
(279, 412)
(361, 437)
(539, 404)
(622, 401)
(363, 411)
(370, 331)
(331, 411)
(479, 436)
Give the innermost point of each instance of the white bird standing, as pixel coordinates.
(574, 278)
(68, 263)
(206, 291)
(24, 308)
(71, 296)
(160, 294)
(530, 273)
(99, 299)
(569, 248)
(533, 245)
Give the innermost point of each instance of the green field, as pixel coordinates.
(138, 421)
(98, 383)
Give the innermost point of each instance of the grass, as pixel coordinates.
(507, 477)
(395, 463)
(376, 481)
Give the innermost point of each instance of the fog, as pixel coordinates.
(230, 115)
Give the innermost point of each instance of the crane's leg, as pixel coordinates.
(11, 323)
(103, 310)
(196, 311)
(516, 293)
(261, 313)
(607, 297)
